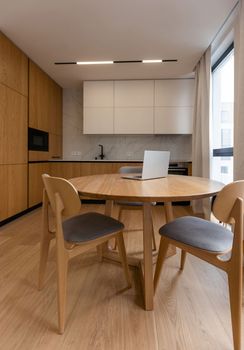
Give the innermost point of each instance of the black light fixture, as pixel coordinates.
(114, 62)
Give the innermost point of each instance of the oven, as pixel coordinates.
(178, 169)
(38, 140)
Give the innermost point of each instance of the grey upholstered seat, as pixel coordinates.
(198, 233)
(89, 226)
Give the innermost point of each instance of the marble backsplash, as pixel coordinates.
(77, 146)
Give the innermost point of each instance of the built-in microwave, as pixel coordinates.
(38, 140)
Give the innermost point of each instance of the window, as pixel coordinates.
(222, 117)
(226, 138)
(225, 117)
(224, 169)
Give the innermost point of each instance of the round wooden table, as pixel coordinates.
(171, 188)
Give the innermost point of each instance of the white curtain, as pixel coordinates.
(239, 96)
(200, 136)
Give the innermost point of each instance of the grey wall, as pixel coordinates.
(77, 146)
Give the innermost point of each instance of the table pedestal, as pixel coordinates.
(145, 265)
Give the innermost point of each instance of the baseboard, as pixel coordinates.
(16, 216)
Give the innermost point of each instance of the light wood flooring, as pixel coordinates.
(191, 308)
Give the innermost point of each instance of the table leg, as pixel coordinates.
(103, 248)
(109, 207)
(168, 211)
(148, 257)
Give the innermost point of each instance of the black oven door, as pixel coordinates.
(38, 140)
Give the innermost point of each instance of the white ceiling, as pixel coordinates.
(80, 30)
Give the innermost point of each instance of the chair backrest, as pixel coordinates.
(130, 170)
(67, 192)
(225, 200)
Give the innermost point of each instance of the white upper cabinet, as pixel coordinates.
(138, 106)
(98, 93)
(174, 93)
(173, 120)
(173, 106)
(98, 120)
(133, 106)
(134, 93)
(98, 112)
(133, 120)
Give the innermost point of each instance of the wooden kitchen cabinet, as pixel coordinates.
(13, 126)
(55, 146)
(75, 169)
(55, 108)
(38, 98)
(13, 189)
(45, 111)
(13, 66)
(55, 150)
(66, 170)
(35, 182)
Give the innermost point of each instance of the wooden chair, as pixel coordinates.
(210, 242)
(74, 236)
(126, 205)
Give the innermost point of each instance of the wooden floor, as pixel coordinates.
(191, 308)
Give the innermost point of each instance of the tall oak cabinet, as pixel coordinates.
(28, 97)
(13, 128)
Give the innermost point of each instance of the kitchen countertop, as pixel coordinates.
(102, 161)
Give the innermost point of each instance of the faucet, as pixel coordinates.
(101, 155)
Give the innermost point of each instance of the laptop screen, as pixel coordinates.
(155, 164)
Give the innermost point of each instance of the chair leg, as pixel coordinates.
(122, 253)
(235, 292)
(45, 243)
(182, 259)
(119, 218)
(62, 269)
(100, 253)
(163, 247)
(154, 239)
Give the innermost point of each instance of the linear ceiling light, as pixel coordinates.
(111, 62)
(152, 61)
(95, 62)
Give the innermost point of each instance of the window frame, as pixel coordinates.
(225, 151)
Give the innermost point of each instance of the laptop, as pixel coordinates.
(155, 165)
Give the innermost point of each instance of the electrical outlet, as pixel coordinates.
(75, 153)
